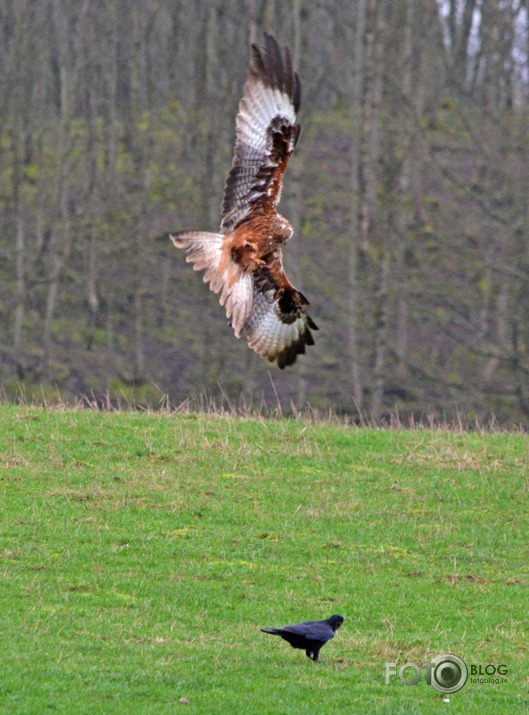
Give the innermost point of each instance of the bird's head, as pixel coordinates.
(335, 622)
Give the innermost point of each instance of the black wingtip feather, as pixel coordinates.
(289, 355)
(274, 65)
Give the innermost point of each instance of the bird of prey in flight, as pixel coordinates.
(243, 261)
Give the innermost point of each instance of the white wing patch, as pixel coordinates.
(269, 104)
(277, 337)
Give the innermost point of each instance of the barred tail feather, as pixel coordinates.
(204, 251)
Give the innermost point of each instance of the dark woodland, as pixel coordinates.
(408, 193)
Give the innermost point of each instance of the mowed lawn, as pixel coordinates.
(142, 553)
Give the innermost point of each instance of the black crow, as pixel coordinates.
(310, 636)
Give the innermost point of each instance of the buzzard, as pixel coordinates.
(243, 262)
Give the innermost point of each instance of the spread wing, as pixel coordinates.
(266, 134)
(278, 327)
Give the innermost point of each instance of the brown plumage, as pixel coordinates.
(244, 260)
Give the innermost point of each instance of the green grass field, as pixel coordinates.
(142, 553)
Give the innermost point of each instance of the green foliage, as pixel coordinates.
(141, 553)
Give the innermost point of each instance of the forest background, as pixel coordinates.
(408, 193)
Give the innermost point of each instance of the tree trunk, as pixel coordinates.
(401, 218)
(380, 327)
(296, 202)
(20, 292)
(355, 378)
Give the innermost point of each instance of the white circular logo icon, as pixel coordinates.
(448, 673)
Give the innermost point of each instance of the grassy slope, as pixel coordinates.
(141, 553)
